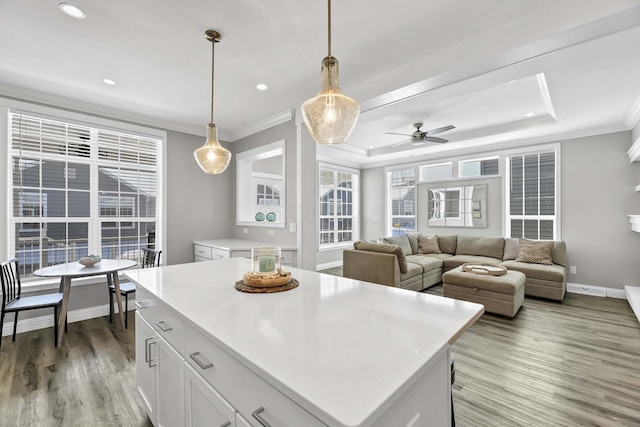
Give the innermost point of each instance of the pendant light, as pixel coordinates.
(212, 157)
(330, 116)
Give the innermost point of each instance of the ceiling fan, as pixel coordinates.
(420, 137)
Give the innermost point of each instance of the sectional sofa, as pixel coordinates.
(397, 261)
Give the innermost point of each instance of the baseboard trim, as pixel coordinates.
(597, 291)
(46, 321)
(327, 265)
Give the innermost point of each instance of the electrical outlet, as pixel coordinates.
(245, 230)
(271, 233)
(572, 269)
(292, 227)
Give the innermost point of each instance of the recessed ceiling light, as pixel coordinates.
(530, 114)
(109, 81)
(262, 86)
(371, 146)
(72, 11)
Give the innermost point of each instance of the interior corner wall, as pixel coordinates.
(597, 194)
(372, 201)
(198, 205)
(307, 206)
(282, 236)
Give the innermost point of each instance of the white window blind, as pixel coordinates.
(79, 190)
(337, 206)
(401, 190)
(532, 196)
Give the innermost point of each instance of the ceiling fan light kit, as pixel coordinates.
(330, 116)
(212, 157)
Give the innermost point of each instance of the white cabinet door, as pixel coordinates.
(204, 407)
(170, 386)
(146, 378)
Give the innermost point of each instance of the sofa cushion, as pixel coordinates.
(428, 244)
(483, 246)
(511, 248)
(402, 241)
(441, 256)
(448, 243)
(458, 260)
(413, 270)
(551, 273)
(389, 249)
(428, 263)
(535, 251)
(413, 241)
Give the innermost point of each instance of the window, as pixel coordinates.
(79, 190)
(478, 167)
(532, 211)
(337, 206)
(401, 201)
(436, 172)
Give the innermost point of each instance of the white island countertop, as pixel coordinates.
(342, 347)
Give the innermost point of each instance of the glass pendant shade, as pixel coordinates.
(212, 157)
(331, 116)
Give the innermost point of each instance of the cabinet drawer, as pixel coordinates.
(241, 254)
(244, 389)
(202, 251)
(219, 253)
(286, 258)
(164, 320)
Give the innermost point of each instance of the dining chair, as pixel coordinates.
(150, 258)
(14, 302)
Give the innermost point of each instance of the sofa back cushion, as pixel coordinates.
(384, 248)
(428, 244)
(413, 241)
(479, 245)
(535, 251)
(558, 253)
(402, 241)
(448, 243)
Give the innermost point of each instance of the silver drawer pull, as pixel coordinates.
(227, 424)
(161, 324)
(139, 305)
(256, 415)
(203, 365)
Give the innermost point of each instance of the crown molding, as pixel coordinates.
(634, 114)
(264, 124)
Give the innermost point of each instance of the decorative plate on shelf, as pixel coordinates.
(271, 217)
(260, 216)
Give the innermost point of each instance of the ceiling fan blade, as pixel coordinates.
(393, 133)
(400, 143)
(439, 130)
(434, 139)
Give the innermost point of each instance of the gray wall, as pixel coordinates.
(282, 236)
(199, 206)
(598, 184)
(494, 208)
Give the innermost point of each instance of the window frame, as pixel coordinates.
(7, 152)
(507, 216)
(389, 229)
(355, 206)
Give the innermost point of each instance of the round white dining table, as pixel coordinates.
(74, 270)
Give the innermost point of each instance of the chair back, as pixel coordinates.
(10, 278)
(150, 258)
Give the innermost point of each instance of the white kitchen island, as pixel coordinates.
(332, 351)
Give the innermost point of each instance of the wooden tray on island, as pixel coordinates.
(266, 281)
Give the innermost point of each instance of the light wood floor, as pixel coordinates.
(88, 381)
(575, 363)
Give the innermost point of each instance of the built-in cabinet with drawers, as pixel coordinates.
(207, 250)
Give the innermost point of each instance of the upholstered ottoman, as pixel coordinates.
(499, 294)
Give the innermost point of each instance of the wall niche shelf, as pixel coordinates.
(635, 222)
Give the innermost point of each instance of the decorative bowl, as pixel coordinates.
(90, 260)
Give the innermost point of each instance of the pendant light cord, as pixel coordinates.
(329, 19)
(213, 48)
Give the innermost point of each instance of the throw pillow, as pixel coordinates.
(385, 248)
(535, 252)
(401, 240)
(428, 244)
